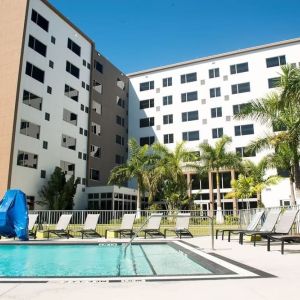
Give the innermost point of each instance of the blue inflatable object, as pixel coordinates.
(14, 215)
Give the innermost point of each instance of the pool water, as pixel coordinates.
(103, 260)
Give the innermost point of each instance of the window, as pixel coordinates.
(217, 133)
(145, 86)
(213, 73)
(244, 130)
(74, 47)
(82, 107)
(51, 64)
(30, 129)
(168, 138)
(72, 69)
(95, 151)
(147, 140)
(85, 132)
(278, 126)
(167, 100)
(188, 77)
(190, 136)
(147, 122)
(216, 112)
(80, 130)
(239, 68)
(32, 100)
(95, 128)
(43, 174)
(53, 39)
(120, 120)
(84, 156)
(97, 86)
(47, 116)
(26, 159)
(240, 88)
(39, 20)
(121, 84)
(168, 119)
(239, 107)
(45, 144)
(94, 174)
(49, 90)
(71, 93)
(191, 96)
(69, 117)
(275, 61)
(67, 167)
(167, 81)
(96, 107)
(34, 72)
(83, 84)
(80, 155)
(273, 82)
(146, 103)
(245, 152)
(98, 66)
(215, 92)
(36, 45)
(120, 102)
(120, 140)
(68, 142)
(119, 159)
(189, 116)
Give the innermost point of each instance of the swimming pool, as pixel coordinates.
(142, 260)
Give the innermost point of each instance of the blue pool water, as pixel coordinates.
(104, 260)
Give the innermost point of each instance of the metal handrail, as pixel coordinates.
(168, 216)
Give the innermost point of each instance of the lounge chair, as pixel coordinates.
(252, 226)
(31, 225)
(153, 225)
(89, 227)
(181, 226)
(283, 225)
(61, 228)
(126, 226)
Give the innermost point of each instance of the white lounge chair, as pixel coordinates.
(61, 228)
(90, 225)
(153, 225)
(126, 226)
(31, 225)
(181, 226)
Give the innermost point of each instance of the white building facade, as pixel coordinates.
(196, 101)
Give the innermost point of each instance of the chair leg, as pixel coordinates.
(229, 235)
(165, 233)
(282, 247)
(222, 235)
(254, 242)
(217, 233)
(268, 244)
(106, 233)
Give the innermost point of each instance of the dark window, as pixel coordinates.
(190, 136)
(167, 81)
(146, 122)
(191, 96)
(71, 93)
(72, 69)
(38, 46)
(239, 68)
(80, 155)
(217, 133)
(168, 119)
(245, 152)
(51, 64)
(167, 100)
(212, 73)
(69, 117)
(82, 84)
(273, 82)
(80, 130)
(35, 72)
(216, 112)
(53, 40)
(30, 129)
(49, 90)
(215, 92)
(240, 88)
(74, 47)
(94, 174)
(168, 138)
(85, 132)
(119, 140)
(188, 77)
(119, 159)
(146, 103)
(145, 86)
(98, 66)
(68, 142)
(32, 100)
(95, 151)
(275, 61)
(45, 144)
(148, 140)
(84, 156)
(43, 174)
(26, 159)
(244, 129)
(47, 116)
(39, 20)
(189, 116)
(239, 107)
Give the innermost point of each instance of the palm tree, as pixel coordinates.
(134, 168)
(215, 159)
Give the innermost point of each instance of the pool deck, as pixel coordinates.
(285, 284)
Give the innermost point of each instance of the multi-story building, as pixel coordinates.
(61, 102)
(196, 101)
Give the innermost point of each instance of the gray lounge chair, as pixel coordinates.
(284, 225)
(181, 226)
(31, 225)
(153, 225)
(256, 219)
(90, 225)
(126, 227)
(61, 228)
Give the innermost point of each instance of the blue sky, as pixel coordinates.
(139, 34)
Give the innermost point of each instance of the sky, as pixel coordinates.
(138, 34)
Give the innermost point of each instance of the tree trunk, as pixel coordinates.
(293, 199)
(234, 200)
(219, 203)
(138, 202)
(211, 194)
(297, 176)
